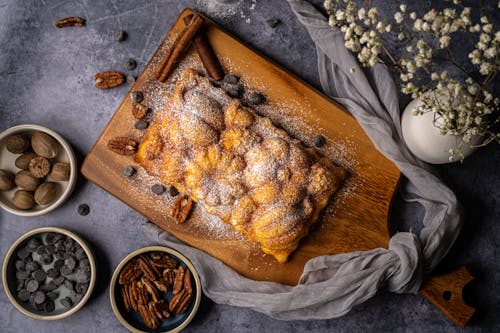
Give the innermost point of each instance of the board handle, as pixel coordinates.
(445, 292)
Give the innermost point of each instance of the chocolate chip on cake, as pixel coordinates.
(141, 125)
(128, 171)
(231, 78)
(136, 96)
(319, 141)
(158, 189)
(173, 191)
(255, 98)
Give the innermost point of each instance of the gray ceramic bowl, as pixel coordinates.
(7, 159)
(132, 320)
(10, 280)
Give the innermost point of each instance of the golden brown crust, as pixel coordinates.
(238, 165)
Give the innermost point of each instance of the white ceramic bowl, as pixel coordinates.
(7, 159)
(131, 320)
(9, 276)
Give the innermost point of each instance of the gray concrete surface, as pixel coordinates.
(46, 78)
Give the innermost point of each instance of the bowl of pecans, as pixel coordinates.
(155, 289)
(49, 273)
(38, 170)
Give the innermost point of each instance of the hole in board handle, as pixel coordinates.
(447, 295)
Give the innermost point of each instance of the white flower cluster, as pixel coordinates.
(463, 107)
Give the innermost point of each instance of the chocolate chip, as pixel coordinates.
(136, 96)
(68, 254)
(58, 264)
(22, 275)
(53, 273)
(49, 286)
(41, 250)
(128, 171)
(158, 189)
(69, 284)
(83, 275)
(20, 265)
(50, 249)
(233, 90)
(66, 302)
(81, 287)
(39, 297)
(20, 285)
(32, 285)
(32, 266)
(39, 275)
(49, 306)
(52, 295)
(23, 295)
(80, 254)
(46, 259)
(255, 98)
(28, 259)
(78, 297)
(65, 270)
(59, 280)
(71, 262)
(121, 36)
(68, 244)
(273, 23)
(59, 245)
(141, 124)
(83, 209)
(319, 141)
(130, 64)
(23, 253)
(84, 263)
(50, 238)
(130, 79)
(33, 243)
(173, 191)
(231, 78)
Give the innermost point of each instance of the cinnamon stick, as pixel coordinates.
(178, 47)
(207, 54)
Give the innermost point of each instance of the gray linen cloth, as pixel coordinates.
(331, 285)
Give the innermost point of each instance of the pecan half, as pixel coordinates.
(129, 273)
(176, 300)
(126, 298)
(160, 309)
(187, 282)
(179, 280)
(123, 145)
(150, 321)
(139, 111)
(133, 295)
(72, 21)
(161, 261)
(147, 269)
(107, 80)
(151, 289)
(161, 285)
(183, 304)
(169, 277)
(181, 208)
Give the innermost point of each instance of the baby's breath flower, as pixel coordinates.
(491, 52)
(361, 14)
(402, 7)
(398, 17)
(401, 36)
(444, 41)
(434, 76)
(413, 15)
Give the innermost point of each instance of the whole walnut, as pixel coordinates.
(23, 199)
(25, 180)
(17, 143)
(6, 180)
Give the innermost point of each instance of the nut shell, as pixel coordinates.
(44, 145)
(39, 167)
(26, 180)
(46, 193)
(23, 161)
(23, 200)
(60, 171)
(17, 143)
(6, 180)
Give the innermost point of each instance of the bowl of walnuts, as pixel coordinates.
(37, 170)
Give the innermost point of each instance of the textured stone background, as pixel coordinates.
(45, 78)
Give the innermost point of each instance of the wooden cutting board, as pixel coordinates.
(357, 217)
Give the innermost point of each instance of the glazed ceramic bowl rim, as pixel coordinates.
(146, 249)
(72, 162)
(10, 255)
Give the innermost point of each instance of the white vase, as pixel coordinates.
(426, 142)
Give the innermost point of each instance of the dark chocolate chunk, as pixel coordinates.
(23, 295)
(50, 249)
(50, 238)
(121, 36)
(173, 191)
(273, 23)
(23, 253)
(319, 141)
(66, 302)
(32, 266)
(255, 98)
(41, 250)
(68, 244)
(32, 285)
(65, 270)
(128, 171)
(141, 124)
(46, 258)
(82, 275)
(39, 307)
(49, 306)
(130, 64)
(231, 78)
(69, 284)
(78, 298)
(83, 209)
(158, 189)
(49, 286)
(28, 259)
(84, 263)
(20, 265)
(52, 295)
(233, 90)
(39, 297)
(59, 280)
(20, 285)
(81, 287)
(33, 244)
(59, 245)
(71, 262)
(22, 275)
(136, 96)
(53, 273)
(80, 254)
(39, 275)
(68, 254)
(58, 264)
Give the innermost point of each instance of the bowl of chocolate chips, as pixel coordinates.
(49, 273)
